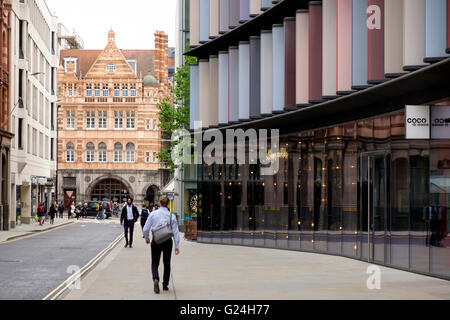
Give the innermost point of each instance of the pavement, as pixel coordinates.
(219, 272)
(33, 228)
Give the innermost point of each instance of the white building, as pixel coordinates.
(34, 63)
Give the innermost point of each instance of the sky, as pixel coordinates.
(134, 21)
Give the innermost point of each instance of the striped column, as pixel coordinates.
(214, 19)
(375, 38)
(244, 11)
(329, 49)
(413, 34)
(194, 95)
(278, 68)
(359, 44)
(233, 14)
(393, 36)
(204, 21)
(315, 52)
(448, 26)
(266, 4)
(289, 66)
(194, 29)
(266, 72)
(344, 47)
(223, 87)
(255, 8)
(233, 77)
(214, 90)
(204, 100)
(302, 59)
(255, 77)
(435, 30)
(244, 81)
(224, 20)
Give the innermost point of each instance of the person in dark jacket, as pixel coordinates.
(61, 209)
(145, 213)
(128, 218)
(52, 213)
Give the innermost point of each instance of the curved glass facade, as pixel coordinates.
(359, 190)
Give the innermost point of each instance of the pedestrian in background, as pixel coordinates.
(144, 214)
(72, 210)
(128, 218)
(61, 210)
(41, 213)
(116, 209)
(52, 213)
(159, 218)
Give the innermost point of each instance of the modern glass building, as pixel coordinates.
(364, 132)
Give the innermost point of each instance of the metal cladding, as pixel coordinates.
(435, 30)
(325, 50)
(278, 67)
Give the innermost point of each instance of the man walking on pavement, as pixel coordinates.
(145, 212)
(156, 219)
(128, 218)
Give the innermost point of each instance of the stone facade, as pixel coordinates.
(5, 128)
(108, 123)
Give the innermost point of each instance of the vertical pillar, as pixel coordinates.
(315, 52)
(25, 198)
(302, 57)
(214, 19)
(255, 77)
(255, 8)
(435, 30)
(194, 15)
(233, 14)
(214, 90)
(244, 11)
(233, 76)
(329, 49)
(204, 21)
(204, 92)
(194, 95)
(289, 66)
(278, 68)
(393, 35)
(359, 44)
(414, 35)
(266, 73)
(12, 206)
(344, 47)
(375, 38)
(223, 87)
(244, 81)
(266, 4)
(224, 7)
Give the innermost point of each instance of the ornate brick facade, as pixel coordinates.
(108, 122)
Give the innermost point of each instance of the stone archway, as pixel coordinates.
(151, 194)
(109, 188)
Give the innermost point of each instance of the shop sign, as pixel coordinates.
(417, 122)
(440, 122)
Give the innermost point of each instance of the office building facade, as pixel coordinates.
(359, 93)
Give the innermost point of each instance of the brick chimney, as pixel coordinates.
(161, 57)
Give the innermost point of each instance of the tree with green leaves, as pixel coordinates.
(174, 113)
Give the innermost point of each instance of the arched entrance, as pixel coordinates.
(110, 190)
(151, 195)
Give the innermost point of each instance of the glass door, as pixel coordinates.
(374, 205)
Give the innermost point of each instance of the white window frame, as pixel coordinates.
(118, 154)
(131, 123)
(147, 157)
(70, 124)
(102, 123)
(90, 156)
(102, 156)
(111, 68)
(90, 123)
(130, 157)
(70, 156)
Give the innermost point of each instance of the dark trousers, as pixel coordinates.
(128, 225)
(166, 249)
(143, 221)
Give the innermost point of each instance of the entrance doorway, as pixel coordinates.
(374, 205)
(110, 190)
(150, 195)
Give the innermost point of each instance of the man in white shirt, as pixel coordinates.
(128, 218)
(156, 219)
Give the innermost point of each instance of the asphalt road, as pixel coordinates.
(32, 268)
